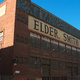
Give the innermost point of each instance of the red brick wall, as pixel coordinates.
(7, 22)
(7, 25)
(6, 66)
(21, 49)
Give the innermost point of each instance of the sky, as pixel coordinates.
(67, 10)
(1, 1)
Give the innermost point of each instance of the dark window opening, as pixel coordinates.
(0, 59)
(62, 65)
(74, 53)
(55, 78)
(45, 45)
(54, 47)
(68, 50)
(25, 60)
(61, 49)
(21, 60)
(35, 42)
(35, 62)
(17, 38)
(55, 65)
(21, 39)
(63, 78)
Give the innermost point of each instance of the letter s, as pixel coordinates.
(65, 36)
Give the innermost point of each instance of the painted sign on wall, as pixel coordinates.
(48, 30)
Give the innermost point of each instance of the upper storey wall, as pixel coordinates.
(7, 22)
(44, 15)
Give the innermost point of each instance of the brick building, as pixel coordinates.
(36, 45)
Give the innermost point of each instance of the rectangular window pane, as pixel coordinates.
(21, 60)
(45, 70)
(53, 20)
(26, 40)
(55, 78)
(25, 60)
(1, 36)
(0, 58)
(44, 16)
(68, 49)
(69, 64)
(17, 38)
(23, 5)
(45, 43)
(54, 45)
(62, 65)
(74, 51)
(35, 40)
(35, 10)
(18, 17)
(21, 39)
(55, 64)
(46, 61)
(78, 52)
(75, 71)
(35, 62)
(63, 78)
(17, 59)
(61, 48)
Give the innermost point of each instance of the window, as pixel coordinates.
(79, 66)
(74, 51)
(53, 20)
(63, 78)
(25, 60)
(1, 36)
(22, 19)
(45, 43)
(25, 40)
(46, 61)
(75, 69)
(21, 60)
(46, 70)
(26, 21)
(17, 59)
(78, 52)
(23, 5)
(69, 64)
(35, 62)
(55, 64)
(45, 78)
(18, 17)
(55, 78)
(62, 65)
(44, 16)
(61, 48)
(35, 10)
(60, 24)
(17, 38)
(54, 45)
(69, 68)
(21, 39)
(0, 58)
(35, 40)
(68, 49)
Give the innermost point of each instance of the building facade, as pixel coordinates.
(36, 45)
